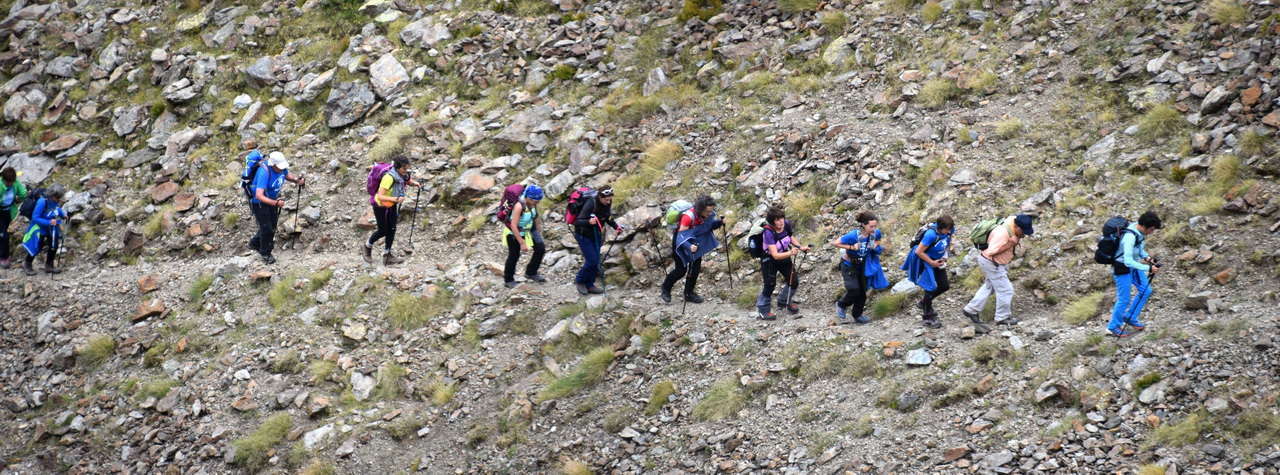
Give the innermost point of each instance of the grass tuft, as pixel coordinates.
(156, 388)
(1185, 432)
(195, 293)
(1150, 469)
(1228, 12)
(833, 22)
(1161, 121)
(320, 370)
(97, 350)
(389, 143)
(936, 92)
(590, 371)
(1253, 143)
(888, 304)
(725, 398)
(574, 467)
(288, 362)
(652, 165)
(252, 451)
(407, 311)
(661, 393)
(797, 6)
(388, 381)
(1009, 128)
(318, 467)
(930, 12)
(1084, 309)
(700, 9)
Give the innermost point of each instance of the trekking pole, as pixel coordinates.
(688, 270)
(728, 255)
(413, 225)
(302, 191)
(794, 281)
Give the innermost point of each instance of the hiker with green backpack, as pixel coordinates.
(522, 232)
(774, 245)
(387, 182)
(12, 193)
(692, 238)
(997, 239)
(1123, 246)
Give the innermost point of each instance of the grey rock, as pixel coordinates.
(469, 131)
(113, 55)
(347, 103)
(139, 157)
(656, 80)
(1216, 405)
(908, 401)
(1102, 151)
(33, 168)
(963, 177)
(180, 91)
(424, 33)
(839, 52)
(1146, 97)
(919, 357)
(128, 119)
(64, 67)
(905, 286)
(313, 438)
(362, 385)
(16, 82)
(493, 326)
(1196, 163)
(998, 459)
(559, 185)
(261, 72)
(1153, 393)
(1217, 98)
(25, 106)
(181, 141)
(312, 86)
(388, 76)
(525, 123)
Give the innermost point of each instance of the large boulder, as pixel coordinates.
(128, 119)
(261, 72)
(313, 85)
(527, 122)
(34, 168)
(64, 66)
(424, 33)
(388, 76)
(473, 183)
(25, 106)
(347, 103)
(838, 53)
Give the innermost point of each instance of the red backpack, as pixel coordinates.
(375, 179)
(576, 199)
(510, 196)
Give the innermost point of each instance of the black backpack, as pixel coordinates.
(29, 204)
(919, 237)
(755, 242)
(1113, 230)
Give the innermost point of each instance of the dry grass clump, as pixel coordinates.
(1160, 121)
(96, 350)
(590, 371)
(661, 393)
(725, 398)
(1009, 128)
(251, 452)
(653, 163)
(1228, 12)
(389, 143)
(700, 9)
(408, 311)
(930, 12)
(1084, 309)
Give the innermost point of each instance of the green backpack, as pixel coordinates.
(983, 229)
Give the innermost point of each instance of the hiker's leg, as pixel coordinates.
(979, 300)
(535, 261)
(677, 272)
(4, 233)
(943, 284)
(263, 216)
(769, 279)
(1143, 284)
(50, 250)
(785, 268)
(590, 260)
(691, 283)
(851, 285)
(1004, 293)
(393, 218)
(268, 241)
(1120, 310)
(859, 304)
(513, 257)
(379, 217)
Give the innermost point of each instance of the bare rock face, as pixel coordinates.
(128, 119)
(425, 33)
(388, 76)
(34, 169)
(347, 103)
(473, 183)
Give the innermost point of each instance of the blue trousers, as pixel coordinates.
(590, 247)
(1128, 302)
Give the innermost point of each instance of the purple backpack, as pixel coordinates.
(375, 179)
(510, 196)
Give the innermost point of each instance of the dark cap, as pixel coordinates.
(1023, 221)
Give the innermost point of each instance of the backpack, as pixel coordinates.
(375, 178)
(755, 241)
(982, 230)
(510, 196)
(246, 180)
(915, 241)
(29, 204)
(1108, 251)
(576, 199)
(672, 218)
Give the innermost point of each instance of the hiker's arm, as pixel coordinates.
(584, 214)
(261, 195)
(920, 252)
(20, 193)
(37, 214)
(296, 179)
(1006, 245)
(772, 249)
(1130, 259)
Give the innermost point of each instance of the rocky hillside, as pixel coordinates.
(168, 347)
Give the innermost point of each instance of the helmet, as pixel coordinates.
(533, 192)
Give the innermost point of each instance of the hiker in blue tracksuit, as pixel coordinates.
(859, 267)
(1132, 272)
(694, 237)
(926, 266)
(45, 230)
(266, 202)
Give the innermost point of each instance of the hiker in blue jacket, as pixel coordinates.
(926, 266)
(861, 245)
(266, 202)
(45, 230)
(1132, 272)
(692, 239)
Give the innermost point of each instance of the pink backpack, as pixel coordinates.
(375, 179)
(510, 195)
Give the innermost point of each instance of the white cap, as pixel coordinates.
(277, 160)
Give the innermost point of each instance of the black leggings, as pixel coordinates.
(769, 270)
(855, 288)
(50, 251)
(386, 218)
(513, 257)
(4, 232)
(679, 272)
(940, 276)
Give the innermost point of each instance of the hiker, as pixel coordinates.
(994, 262)
(386, 208)
(266, 205)
(522, 233)
(692, 239)
(12, 192)
(779, 247)
(252, 158)
(1132, 270)
(926, 266)
(45, 230)
(860, 245)
(589, 231)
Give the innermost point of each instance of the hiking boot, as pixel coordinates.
(842, 314)
(665, 296)
(1009, 321)
(511, 284)
(595, 290)
(26, 268)
(536, 278)
(48, 269)
(767, 316)
(1120, 334)
(390, 260)
(973, 317)
(368, 253)
(862, 320)
(693, 298)
(932, 323)
(582, 289)
(268, 259)
(793, 308)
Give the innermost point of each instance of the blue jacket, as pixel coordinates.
(1134, 250)
(269, 181)
(870, 256)
(919, 271)
(42, 224)
(703, 235)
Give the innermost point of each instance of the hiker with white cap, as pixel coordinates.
(266, 202)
